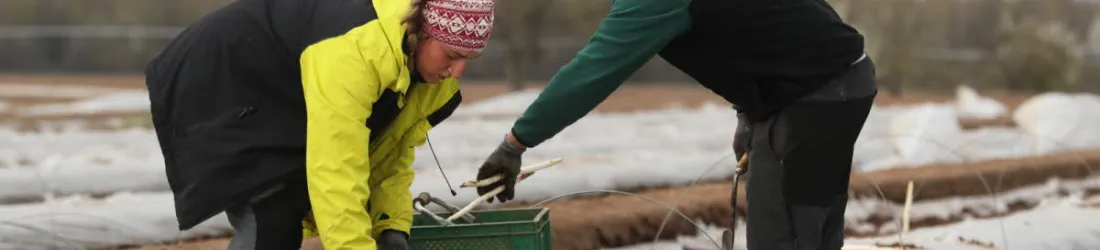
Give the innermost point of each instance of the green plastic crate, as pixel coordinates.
(524, 229)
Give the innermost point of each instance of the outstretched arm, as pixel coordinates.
(631, 34)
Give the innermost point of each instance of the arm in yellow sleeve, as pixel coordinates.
(392, 182)
(340, 86)
(392, 197)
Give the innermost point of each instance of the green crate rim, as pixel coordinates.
(540, 226)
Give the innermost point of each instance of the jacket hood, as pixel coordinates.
(390, 15)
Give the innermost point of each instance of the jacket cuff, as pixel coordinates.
(396, 225)
(509, 147)
(520, 139)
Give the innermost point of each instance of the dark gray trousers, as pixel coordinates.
(799, 165)
(271, 220)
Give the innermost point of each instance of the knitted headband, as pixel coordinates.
(459, 24)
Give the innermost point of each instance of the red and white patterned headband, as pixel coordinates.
(460, 24)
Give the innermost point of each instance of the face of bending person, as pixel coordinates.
(436, 61)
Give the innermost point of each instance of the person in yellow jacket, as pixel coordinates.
(297, 117)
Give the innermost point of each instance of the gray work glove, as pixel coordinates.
(742, 138)
(504, 160)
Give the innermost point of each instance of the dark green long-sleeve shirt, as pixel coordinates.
(632, 33)
(759, 54)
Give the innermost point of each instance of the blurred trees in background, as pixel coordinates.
(518, 23)
(917, 44)
(520, 26)
(1029, 45)
(87, 51)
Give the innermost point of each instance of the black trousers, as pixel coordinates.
(799, 165)
(273, 219)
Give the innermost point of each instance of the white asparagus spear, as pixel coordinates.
(454, 209)
(905, 210)
(523, 172)
(476, 202)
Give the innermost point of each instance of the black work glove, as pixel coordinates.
(393, 240)
(504, 160)
(743, 137)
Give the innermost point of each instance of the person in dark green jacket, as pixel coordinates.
(795, 72)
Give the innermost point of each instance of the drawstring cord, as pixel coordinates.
(453, 192)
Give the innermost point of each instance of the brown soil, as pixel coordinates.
(906, 246)
(948, 180)
(618, 220)
(630, 97)
(970, 123)
(966, 180)
(208, 244)
(132, 81)
(978, 243)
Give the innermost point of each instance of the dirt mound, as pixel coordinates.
(953, 180)
(52, 89)
(972, 123)
(620, 220)
(613, 220)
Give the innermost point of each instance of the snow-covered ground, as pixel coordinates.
(972, 105)
(864, 209)
(1056, 224)
(122, 101)
(12, 89)
(1036, 229)
(1061, 224)
(121, 219)
(602, 151)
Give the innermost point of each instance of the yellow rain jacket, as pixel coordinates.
(359, 177)
(257, 92)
